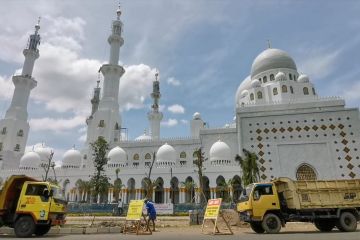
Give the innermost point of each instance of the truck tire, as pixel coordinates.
(42, 230)
(347, 222)
(24, 227)
(271, 223)
(324, 225)
(256, 227)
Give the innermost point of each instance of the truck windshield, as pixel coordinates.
(245, 196)
(57, 193)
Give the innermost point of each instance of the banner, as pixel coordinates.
(164, 208)
(213, 208)
(135, 210)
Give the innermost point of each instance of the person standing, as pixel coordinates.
(120, 207)
(151, 212)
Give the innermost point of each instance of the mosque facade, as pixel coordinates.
(279, 116)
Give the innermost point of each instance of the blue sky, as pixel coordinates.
(202, 49)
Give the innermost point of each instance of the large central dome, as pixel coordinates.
(272, 58)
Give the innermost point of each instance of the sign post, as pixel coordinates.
(136, 217)
(213, 213)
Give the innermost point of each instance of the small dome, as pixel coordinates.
(143, 137)
(30, 160)
(280, 76)
(44, 153)
(197, 116)
(117, 155)
(166, 156)
(255, 83)
(303, 79)
(220, 151)
(71, 159)
(272, 58)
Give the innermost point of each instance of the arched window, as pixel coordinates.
(306, 91)
(3, 131)
(291, 89)
(195, 154)
(264, 79)
(290, 76)
(20, 133)
(251, 96)
(275, 91)
(259, 95)
(183, 155)
(313, 90)
(116, 126)
(305, 172)
(272, 78)
(148, 156)
(85, 156)
(1, 146)
(284, 88)
(17, 147)
(136, 156)
(102, 123)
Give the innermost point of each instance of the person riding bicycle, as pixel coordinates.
(151, 212)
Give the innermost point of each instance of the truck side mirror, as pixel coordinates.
(46, 193)
(244, 192)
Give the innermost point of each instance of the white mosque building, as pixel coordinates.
(279, 116)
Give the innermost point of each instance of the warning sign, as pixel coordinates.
(213, 208)
(135, 210)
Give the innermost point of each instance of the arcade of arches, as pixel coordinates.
(177, 192)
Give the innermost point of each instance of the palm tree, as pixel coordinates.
(189, 187)
(80, 186)
(226, 186)
(249, 167)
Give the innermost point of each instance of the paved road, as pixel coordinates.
(195, 233)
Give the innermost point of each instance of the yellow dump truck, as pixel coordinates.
(269, 206)
(30, 206)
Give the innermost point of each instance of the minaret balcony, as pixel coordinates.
(112, 69)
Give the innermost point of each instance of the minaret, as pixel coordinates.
(155, 116)
(14, 127)
(106, 120)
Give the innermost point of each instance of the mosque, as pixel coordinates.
(279, 117)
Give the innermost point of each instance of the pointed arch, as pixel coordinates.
(275, 91)
(251, 96)
(259, 95)
(284, 89)
(183, 155)
(306, 91)
(147, 156)
(306, 172)
(174, 190)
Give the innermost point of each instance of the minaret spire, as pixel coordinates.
(106, 120)
(155, 116)
(15, 125)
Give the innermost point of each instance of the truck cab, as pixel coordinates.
(30, 206)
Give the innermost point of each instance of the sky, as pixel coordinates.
(203, 50)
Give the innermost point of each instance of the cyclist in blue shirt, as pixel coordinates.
(151, 212)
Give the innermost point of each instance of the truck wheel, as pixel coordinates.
(324, 225)
(271, 223)
(347, 222)
(256, 227)
(42, 230)
(24, 226)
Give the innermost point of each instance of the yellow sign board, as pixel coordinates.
(213, 208)
(135, 210)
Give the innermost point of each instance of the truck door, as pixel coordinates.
(263, 199)
(33, 201)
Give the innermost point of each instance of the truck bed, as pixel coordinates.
(302, 195)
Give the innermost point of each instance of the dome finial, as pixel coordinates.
(269, 43)
(37, 26)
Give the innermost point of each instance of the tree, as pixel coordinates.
(99, 181)
(226, 186)
(150, 184)
(249, 167)
(117, 185)
(80, 186)
(199, 163)
(189, 187)
(48, 165)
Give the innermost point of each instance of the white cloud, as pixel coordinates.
(135, 86)
(184, 121)
(7, 87)
(56, 125)
(82, 138)
(173, 81)
(176, 108)
(170, 122)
